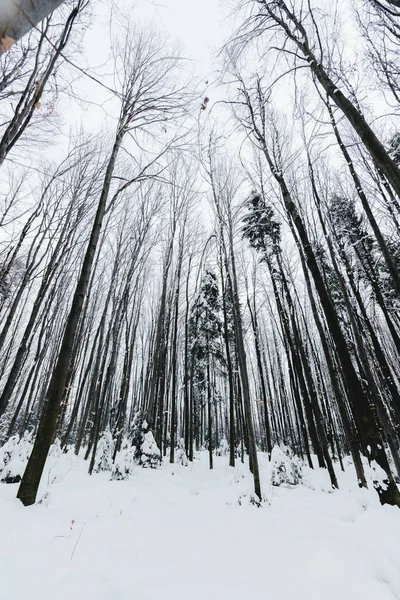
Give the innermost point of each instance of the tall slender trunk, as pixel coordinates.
(174, 356)
(231, 383)
(30, 481)
(295, 31)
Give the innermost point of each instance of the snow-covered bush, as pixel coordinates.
(150, 453)
(14, 455)
(103, 461)
(7, 450)
(285, 468)
(146, 452)
(223, 448)
(249, 500)
(124, 461)
(55, 449)
(180, 455)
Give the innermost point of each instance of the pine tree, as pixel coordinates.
(103, 460)
(124, 461)
(286, 469)
(261, 228)
(394, 147)
(150, 453)
(139, 426)
(181, 456)
(332, 282)
(389, 292)
(145, 451)
(205, 328)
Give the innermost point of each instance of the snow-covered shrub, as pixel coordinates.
(55, 449)
(14, 455)
(103, 461)
(223, 448)
(150, 453)
(285, 468)
(249, 500)
(146, 452)
(180, 455)
(124, 461)
(7, 450)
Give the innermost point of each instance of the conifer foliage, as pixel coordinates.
(206, 350)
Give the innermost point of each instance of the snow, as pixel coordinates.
(124, 461)
(104, 453)
(180, 533)
(285, 468)
(14, 455)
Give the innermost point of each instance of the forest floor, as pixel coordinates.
(187, 533)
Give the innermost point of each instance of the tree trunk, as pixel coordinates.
(30, 481)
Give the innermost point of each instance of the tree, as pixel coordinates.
(264, 233)
(148, 95)
(257, 122)
(224, 188)
(47, 56)
(278, 16)
(205, 335)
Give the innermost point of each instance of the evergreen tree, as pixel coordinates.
(124, 461)
(354, 242)
(145, 451)
(181, 456)
(286, 469)
(205, 321)
(389, 291)
(139, 427)
(332, 283)
(394, 147)
(261, 228)
(205, 328)
(150, 453)
(104, 453)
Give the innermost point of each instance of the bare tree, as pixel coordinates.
(149, 96)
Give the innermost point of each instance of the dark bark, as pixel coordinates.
(30, 481)
(294, 29)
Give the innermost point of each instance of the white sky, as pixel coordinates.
(198, 24)
(198, 27)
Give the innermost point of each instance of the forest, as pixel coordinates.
(194, 266)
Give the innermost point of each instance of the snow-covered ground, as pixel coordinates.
(179, 533)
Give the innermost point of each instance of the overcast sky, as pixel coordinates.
(198, 24)
(199, 27)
